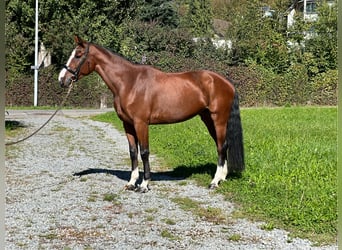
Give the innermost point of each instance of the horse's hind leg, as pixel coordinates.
(217, 130)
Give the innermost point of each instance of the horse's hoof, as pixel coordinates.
(130, 187)
(142, 189)
(213, 186)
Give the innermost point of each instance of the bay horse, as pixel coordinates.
(144, 95)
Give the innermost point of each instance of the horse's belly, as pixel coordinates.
(176, 111)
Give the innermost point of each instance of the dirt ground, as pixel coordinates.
(49, 207)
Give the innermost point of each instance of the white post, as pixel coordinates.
(304, 9)
(36, 59)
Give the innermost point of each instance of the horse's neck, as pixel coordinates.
(113, 71)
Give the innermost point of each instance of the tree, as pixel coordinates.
(316, 42)
(58, 21)
(19, 30)
(323, 45)
(162, 12)
(94, 20)
(199, 18)
(258, 38)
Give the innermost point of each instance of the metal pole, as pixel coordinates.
(36, 60)
(304, 9)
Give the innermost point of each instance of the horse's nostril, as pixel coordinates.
(64, 82)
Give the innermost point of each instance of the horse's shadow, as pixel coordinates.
(178, 173)
(126, 174)
(13, 124)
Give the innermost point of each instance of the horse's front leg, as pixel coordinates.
(144, 151)
(133, 152)
(142, 134)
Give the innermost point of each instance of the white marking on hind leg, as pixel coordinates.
(134, 177)
(144, 186)
(220, 175)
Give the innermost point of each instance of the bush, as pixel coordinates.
(259, 86)
(86, 93)
(295, 85)
(324, 88)
(19, 91)
(248, 83)
(174, 51)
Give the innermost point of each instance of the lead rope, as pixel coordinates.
(35, 132)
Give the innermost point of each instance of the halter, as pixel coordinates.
(76, 72)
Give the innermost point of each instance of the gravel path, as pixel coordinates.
(47, 207)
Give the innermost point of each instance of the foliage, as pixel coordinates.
(59, 21)
(199, 18)
(170, 49)
(265, 69)
(315, 43)
(161, 12)
(86, 93)
(323, 45)
(250, 85)
(19, 27)
(284, 74)
(324, 88)
(260, 39)
(259, 86)
(151, 39)
(222, 8)
(291, 158)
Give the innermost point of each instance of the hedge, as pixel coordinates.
(257, 86)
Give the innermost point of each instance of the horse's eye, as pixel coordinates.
(78, 54)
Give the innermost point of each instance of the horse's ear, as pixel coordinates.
(78, 40)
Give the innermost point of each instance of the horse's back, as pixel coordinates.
(176, 97)
(206, 80)
(212, 85)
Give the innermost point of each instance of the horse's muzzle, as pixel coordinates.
(65, 83)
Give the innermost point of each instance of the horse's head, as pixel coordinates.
(78, 64)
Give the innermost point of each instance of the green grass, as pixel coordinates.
(290, 179)
(213, 215)
(167, 234)
(235, 237)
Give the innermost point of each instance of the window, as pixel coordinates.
(311, 7)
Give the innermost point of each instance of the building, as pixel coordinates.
(307, 7)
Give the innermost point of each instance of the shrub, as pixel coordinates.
(324, 88)
(86, 93)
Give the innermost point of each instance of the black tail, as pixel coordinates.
(235, 158)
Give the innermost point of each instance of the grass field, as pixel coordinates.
(290, 180)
